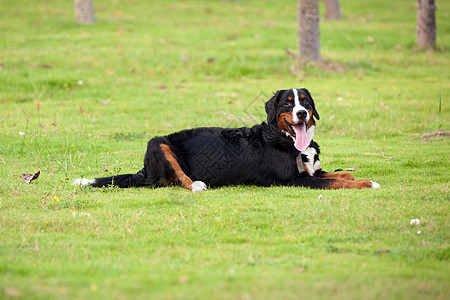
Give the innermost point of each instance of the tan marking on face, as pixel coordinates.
(185, 181)
(280, 120)
(290, 98)
(311, 121)
(302, 96)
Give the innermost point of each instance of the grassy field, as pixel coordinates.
(82, 101)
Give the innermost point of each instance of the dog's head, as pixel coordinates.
(293, 112)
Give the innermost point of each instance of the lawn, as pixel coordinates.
(82, 101)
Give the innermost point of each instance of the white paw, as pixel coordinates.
(83, 181)
(198, 186)
(375, 185)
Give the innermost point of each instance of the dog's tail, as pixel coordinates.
(122, 181)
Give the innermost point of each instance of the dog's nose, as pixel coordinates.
(301, 114)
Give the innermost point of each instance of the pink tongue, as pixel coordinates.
(301, 141)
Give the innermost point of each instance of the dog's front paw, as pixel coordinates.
(198, 186)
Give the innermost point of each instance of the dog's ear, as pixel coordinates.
(315, 113)
(271, 107)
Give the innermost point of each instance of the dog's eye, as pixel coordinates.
(306, 104)
(287, 103)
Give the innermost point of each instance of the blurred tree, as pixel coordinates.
(84, 11)
(426, 23)
(308, 31)
(332, 9)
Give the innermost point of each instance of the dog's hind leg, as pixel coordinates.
(345, 176)
(183, 179)
(332, 183)
(340, 183)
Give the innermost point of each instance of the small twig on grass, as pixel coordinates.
(378, 154)
(431, 135)
(291, 53)
(347, 169)
(434, 133)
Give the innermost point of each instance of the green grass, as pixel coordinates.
(153, 67)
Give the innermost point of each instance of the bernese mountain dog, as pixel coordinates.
(280, 152)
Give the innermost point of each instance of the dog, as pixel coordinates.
(279, 152)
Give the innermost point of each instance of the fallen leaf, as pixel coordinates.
(347, 169)
(56, 198)
(30, 177)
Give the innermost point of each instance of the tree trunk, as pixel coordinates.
(308, 31)
(84, 11)
(426, 23)
(332, 9)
